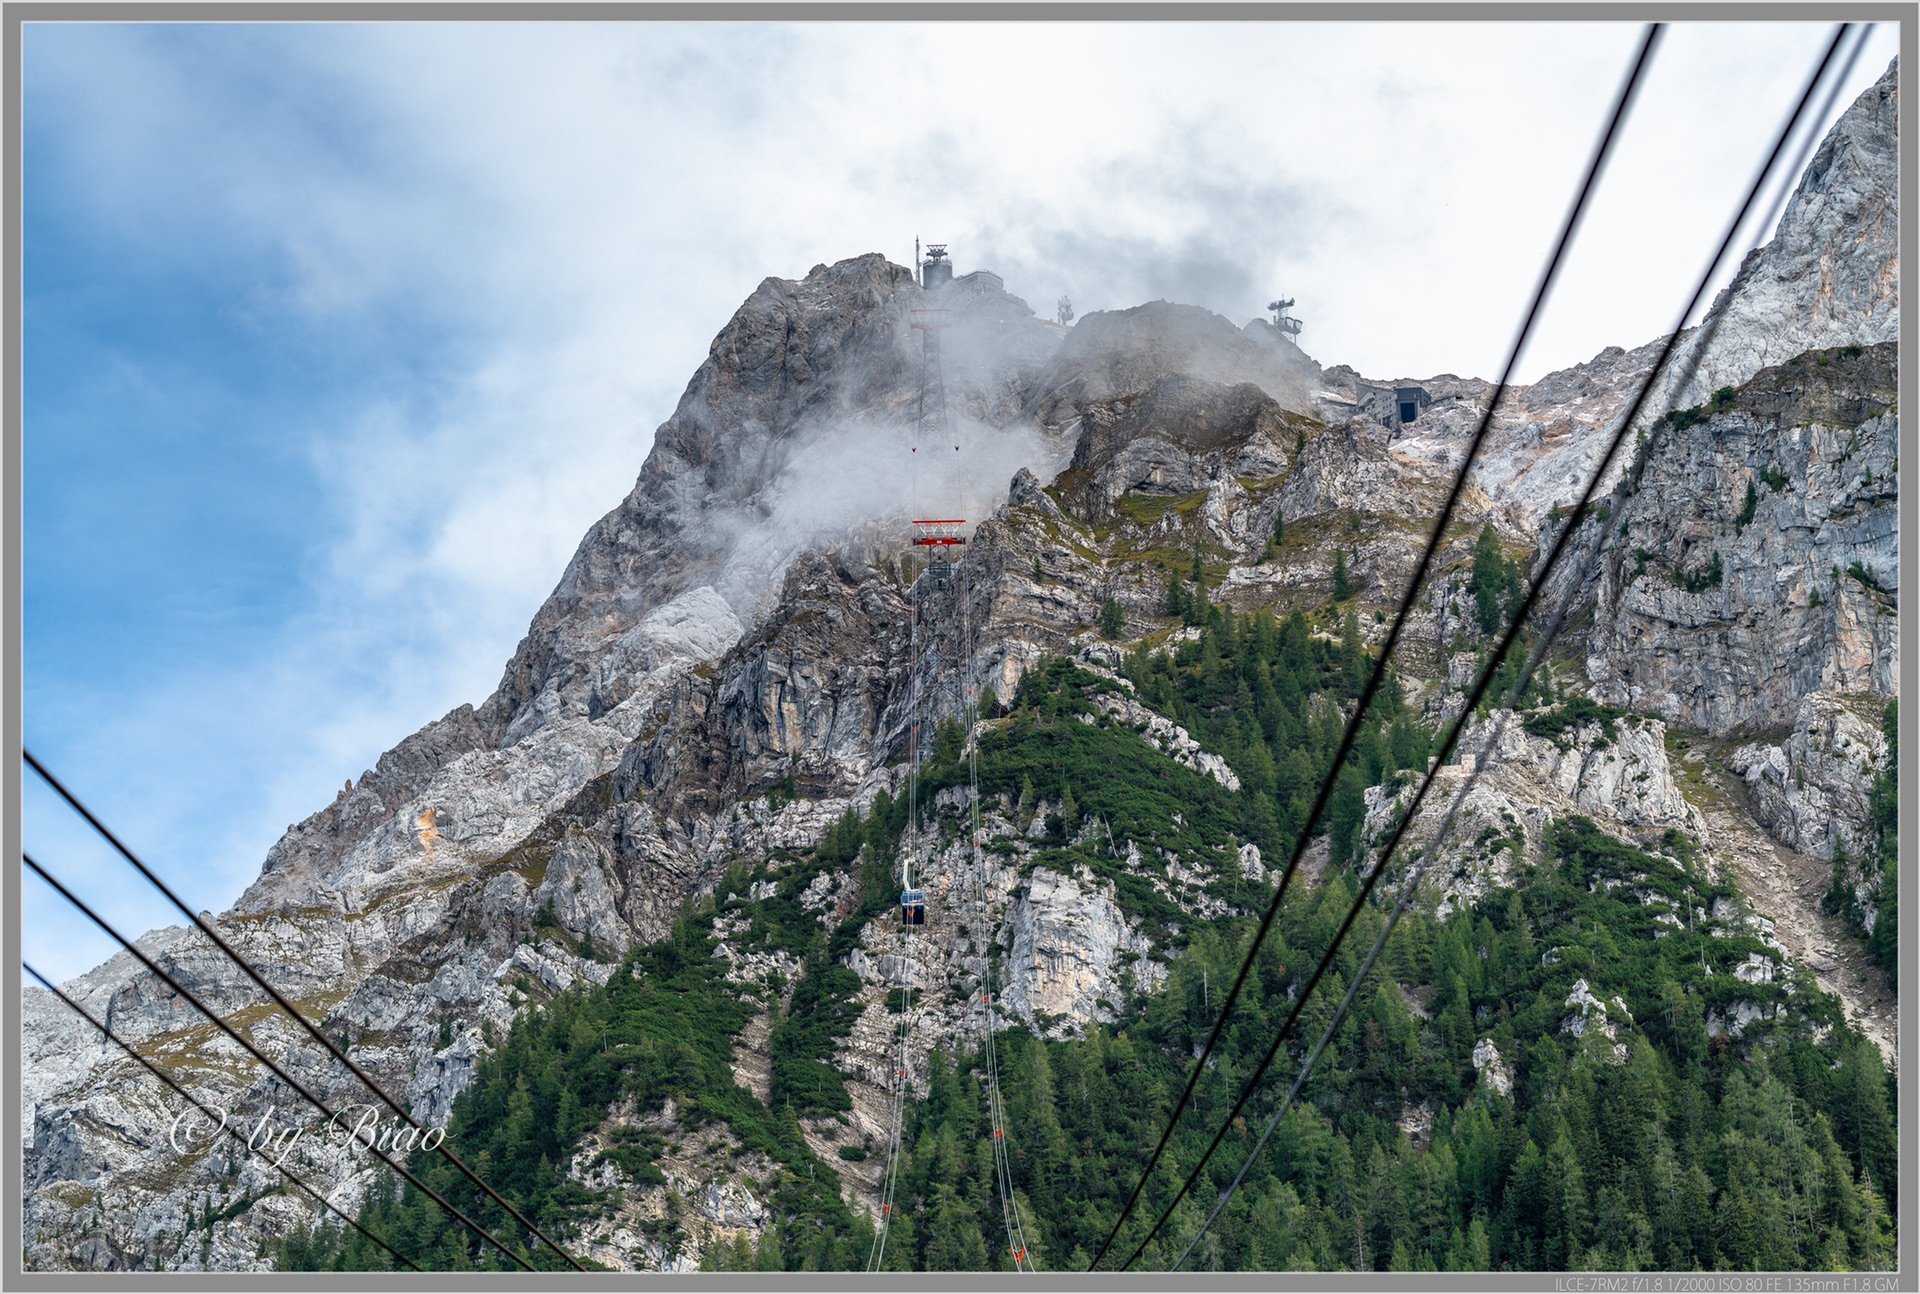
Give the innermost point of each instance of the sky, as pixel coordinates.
(338, 338)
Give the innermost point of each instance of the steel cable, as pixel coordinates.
(314, 1031)
(276, 1070)
(1377, 675)
(1017, 1246)
(909, 844)
(206, 1110)
(1519, 618)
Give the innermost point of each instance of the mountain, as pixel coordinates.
(626, 926)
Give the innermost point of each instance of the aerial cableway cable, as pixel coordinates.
(298, 1087)
(1517, 623)
(1017, 1247)
(214, 1116)
(909, 910)
(314, 1031)
(877, 1254)
(1378, 673)
(936, 679)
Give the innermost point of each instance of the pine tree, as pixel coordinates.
(770, 1256)
(1479, 1250)
(1197, 603)
(1494, 581)
(1176, 598)
(1342, 586)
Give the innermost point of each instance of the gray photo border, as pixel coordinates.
(14, 17)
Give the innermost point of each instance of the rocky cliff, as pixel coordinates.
(1831, 274)
(727, 667)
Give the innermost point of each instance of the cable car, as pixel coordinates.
(913, 907)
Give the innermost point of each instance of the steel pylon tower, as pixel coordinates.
(941, 656)
(939, 659)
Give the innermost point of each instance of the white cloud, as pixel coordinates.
(544, 225)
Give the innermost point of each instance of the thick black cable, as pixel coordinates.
(1409, 886)
(209, 1112)
(1374, 679)
(1520, 615)
(280, 999)
(1794, 174)
(258, 1055)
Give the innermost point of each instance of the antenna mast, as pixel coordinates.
(1289, 326)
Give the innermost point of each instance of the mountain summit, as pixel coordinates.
(628, 927)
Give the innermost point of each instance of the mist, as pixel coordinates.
(858, 483)
(856, 478)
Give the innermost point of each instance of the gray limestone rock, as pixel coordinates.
(1831, 274)
(1810, 789)
(1724, 619)
(727, 663)
(1114, 353)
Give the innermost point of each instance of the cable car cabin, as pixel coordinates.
(913, 907)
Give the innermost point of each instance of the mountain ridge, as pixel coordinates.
(724, 669)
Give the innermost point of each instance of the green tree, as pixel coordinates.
(1113, 619)
(1177, 600)
(770, 1255)
(1883, 821)
(949, 739)
(1345, 814)
(1197, 603)
(1494, 581)
(1342, 586)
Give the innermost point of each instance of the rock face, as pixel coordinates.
(1069, 941)
(1831, 274)
(1542, 442)
(1811, 789)
(448, 796)
(1168, 441)
(1756, 563)
(1764, 536)
(729, 661)
(1494, 1072)
(1120, 352)
(1617, 774)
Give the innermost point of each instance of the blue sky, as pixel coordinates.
(338, 338)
